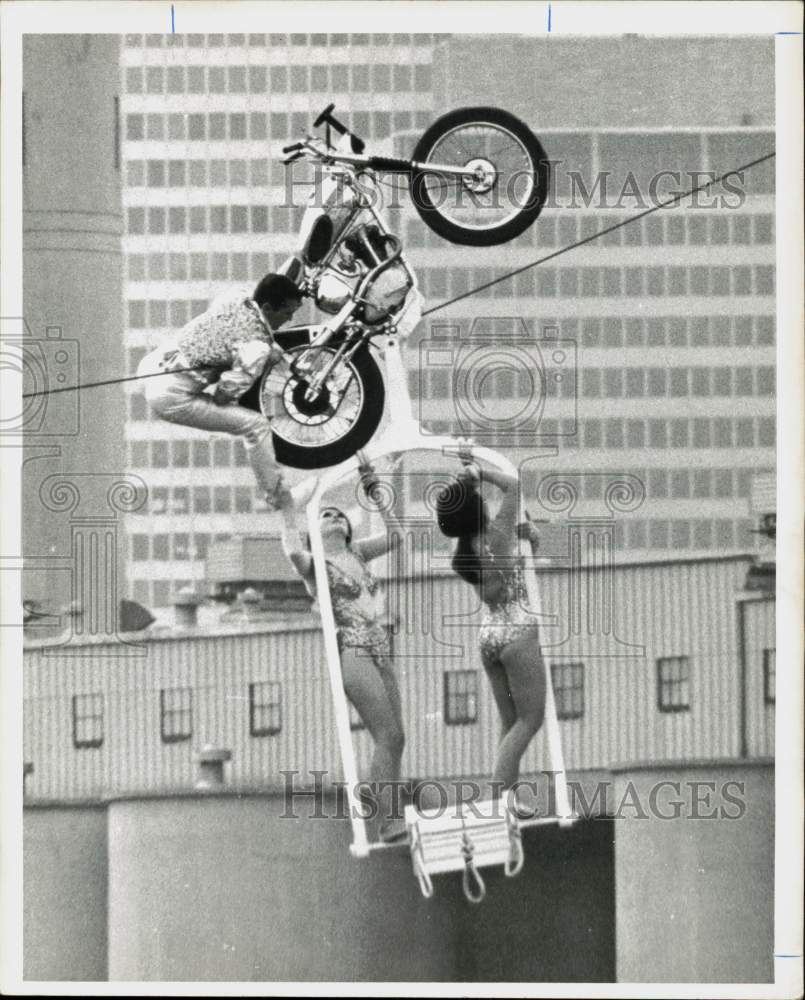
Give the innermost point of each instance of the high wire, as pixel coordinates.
(473, 291)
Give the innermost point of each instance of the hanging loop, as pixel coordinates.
(477, 892)
(514, 863)
(424, 879)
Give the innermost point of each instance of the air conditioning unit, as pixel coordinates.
(255, 563)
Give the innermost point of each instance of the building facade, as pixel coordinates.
(653, 346)
(649, 663)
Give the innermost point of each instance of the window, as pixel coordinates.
(87, 721)
(460, 697)
(202, 499)
(265, 708)
(769, 676)
(154, 79)
(763, 228)
(568, 689)
(680, 534)
(222, 499)
(134, 127)
(673, 684)
(699, 331)
(175, 714)
(139, 547)
(161, 546)
(155, 126)
(237, 126)
(764, 280)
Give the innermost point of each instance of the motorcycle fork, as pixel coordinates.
(343, 354)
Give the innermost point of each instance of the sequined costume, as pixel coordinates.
(229, 345)
(214, 338)
(507, 616)
(355, 609)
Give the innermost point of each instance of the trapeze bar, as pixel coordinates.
(401, 436)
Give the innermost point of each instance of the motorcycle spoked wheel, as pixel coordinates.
(510, 186)
(316, 434)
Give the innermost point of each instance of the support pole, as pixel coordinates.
(360, 842)
(403, 435)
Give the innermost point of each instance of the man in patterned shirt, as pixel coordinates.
(228, 346)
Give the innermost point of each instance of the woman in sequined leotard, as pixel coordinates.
(358, 608)
(486, 557)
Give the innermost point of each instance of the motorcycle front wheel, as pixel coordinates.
(314, 434)
(506, 185)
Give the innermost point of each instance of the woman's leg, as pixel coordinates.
(372, 688)
(499, 682)
(524, 669)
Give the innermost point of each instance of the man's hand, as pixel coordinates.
(223, 396)
(283, 499)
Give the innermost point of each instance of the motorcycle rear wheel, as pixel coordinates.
(509, 187)
(314, 435)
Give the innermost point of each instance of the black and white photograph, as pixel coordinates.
(396, 418)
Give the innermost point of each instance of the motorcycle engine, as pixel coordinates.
(362, 251)
(332, 291)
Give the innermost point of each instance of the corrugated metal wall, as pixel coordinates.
(643, 613)
(760, 652)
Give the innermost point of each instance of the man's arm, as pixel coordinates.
(293, 541)
(250, 360)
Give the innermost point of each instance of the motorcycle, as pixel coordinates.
(477, 177)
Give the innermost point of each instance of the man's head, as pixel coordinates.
(278, 298)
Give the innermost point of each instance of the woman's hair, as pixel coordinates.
(349, 526)
(461, 513)
(274, 290)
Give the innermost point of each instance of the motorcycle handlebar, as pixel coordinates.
(293, 147)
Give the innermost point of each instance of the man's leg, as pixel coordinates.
(178, 400)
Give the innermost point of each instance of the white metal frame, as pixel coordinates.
(404, 434)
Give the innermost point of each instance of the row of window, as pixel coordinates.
(613, 169)
(608, 383)
(160, 219)
(674, 331)
(673, 687)
(594, 282)
(236, 267)
(332, 78)
(705, 228)
(621, 433)
(612, 432)
(744, 330)
(659, 484)
(195, 41)
(220, 126)
(460, 701)
(638, 533)
(176, 714)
